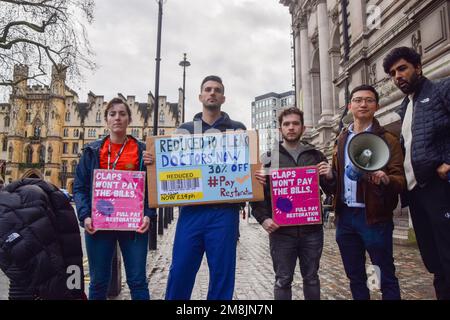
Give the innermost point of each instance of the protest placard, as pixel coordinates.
(204, 168)
(295, 196)
(118, 199)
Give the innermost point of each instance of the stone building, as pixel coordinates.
(44, 128)
(340, 44)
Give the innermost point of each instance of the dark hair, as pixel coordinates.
(365, 87)
(288, 111)
(115, 101)
(409, 54)
(212, 78)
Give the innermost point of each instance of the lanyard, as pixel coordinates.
(118, 155)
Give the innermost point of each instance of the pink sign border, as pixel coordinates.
(318, 197)
(93, 198)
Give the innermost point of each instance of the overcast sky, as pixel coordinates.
(246, 42)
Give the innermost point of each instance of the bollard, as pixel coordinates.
(166, 217)
(115, 285)
(161, 221)
(152, 243)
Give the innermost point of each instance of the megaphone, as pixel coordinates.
(368, 153)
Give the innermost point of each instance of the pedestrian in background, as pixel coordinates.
(117, 151)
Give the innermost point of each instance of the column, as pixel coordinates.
(298, 69)
(305, 66)
(325, 69)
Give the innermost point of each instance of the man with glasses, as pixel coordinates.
(425, 114)
(364, 208)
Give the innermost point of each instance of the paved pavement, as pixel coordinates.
(255, 277)
(254, 273)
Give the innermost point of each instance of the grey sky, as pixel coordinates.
(246, 42)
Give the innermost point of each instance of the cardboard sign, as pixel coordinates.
(295, 196)
(205, 168)
(118, 199)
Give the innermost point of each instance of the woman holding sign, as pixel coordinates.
(115, 153)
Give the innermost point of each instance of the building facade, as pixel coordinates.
(340, 44)
(265, 111)
(43, 129)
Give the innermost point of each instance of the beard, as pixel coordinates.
(212, 107)
(408, 87)
(292, 139)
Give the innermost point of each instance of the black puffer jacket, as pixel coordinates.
(430, 128)
(40, 244)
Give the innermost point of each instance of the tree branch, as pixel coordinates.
(35, 27)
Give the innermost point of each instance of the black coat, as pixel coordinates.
(430, 128)
(40, 244)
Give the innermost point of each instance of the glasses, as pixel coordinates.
(367, 100)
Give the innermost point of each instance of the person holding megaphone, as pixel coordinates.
(368, 176)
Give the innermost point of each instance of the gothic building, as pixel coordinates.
(44, 128)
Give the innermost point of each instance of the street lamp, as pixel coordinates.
(152, 240)
(184, 63)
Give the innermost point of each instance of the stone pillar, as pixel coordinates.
(325, 69)
(298, 69)
(305, 66)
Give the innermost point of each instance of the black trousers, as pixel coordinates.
(430, 213)
(285, 249)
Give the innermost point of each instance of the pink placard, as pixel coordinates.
(118, 199)
(295, 196)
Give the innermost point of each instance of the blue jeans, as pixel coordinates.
(285, 249)
(100, 249)
(200, 229)
(354, 237)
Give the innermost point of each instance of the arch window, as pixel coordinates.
(49, 154)
(74, 165)
(28, 154)
(4, 144)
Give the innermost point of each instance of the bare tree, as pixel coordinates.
(44, 33)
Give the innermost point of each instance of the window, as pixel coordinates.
(53, 114)
(66, 132)
(65, 147)
(76, 133)
(75, 148)
(41, 154)
(67, 116)
(6, 122)
(28, 154)
(98, 117)
(161, 132)
(74, 165)
(37, 131)
(28, 117)
(4, 144)
(64, 166)
(161, 117)
(10, 153)
(49, 154)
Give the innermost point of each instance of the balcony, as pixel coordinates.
(39, 165)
